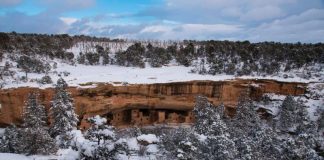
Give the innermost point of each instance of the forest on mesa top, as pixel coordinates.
(209, 57)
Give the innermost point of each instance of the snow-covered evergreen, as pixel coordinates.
(99, 131)
(33, 138)
(34, 114)
(63, 114)
(62, 110)
(288, 114)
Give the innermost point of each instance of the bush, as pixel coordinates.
(31, 65)
(93, 58)
(133, 56)
(45, 80)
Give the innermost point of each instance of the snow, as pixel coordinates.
(149, 138)
(314, 100)
(11, 156)
(83, 74)
(62, 154)
(132, 144)
(99, 120)
(152, 148)
(201, 137)
(2, 130)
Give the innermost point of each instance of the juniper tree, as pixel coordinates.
(62, 113)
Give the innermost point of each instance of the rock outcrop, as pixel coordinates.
(146, 103)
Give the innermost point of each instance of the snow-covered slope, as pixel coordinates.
(80, 74)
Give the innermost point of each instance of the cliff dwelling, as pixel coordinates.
(146, 104)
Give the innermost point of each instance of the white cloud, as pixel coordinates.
(262, 13)
(305, 27)
(189, 31)
(68, 20)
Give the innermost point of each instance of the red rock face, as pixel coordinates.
(146, 103)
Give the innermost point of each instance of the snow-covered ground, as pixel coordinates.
(62, 154)
(81, 74)
(313, 101)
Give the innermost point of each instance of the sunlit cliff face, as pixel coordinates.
(144, 104)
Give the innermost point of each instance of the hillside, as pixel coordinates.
(82, 97)
(38, 60)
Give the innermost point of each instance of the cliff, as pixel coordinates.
(146, 103)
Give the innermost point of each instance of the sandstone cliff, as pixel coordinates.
(146, 103)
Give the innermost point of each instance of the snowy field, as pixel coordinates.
(77, 74)
(80, 74)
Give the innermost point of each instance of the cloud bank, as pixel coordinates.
(254, 20)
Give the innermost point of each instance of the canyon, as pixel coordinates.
(145, 104)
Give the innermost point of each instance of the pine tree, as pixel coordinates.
(204, 114)
(34, 114)
(246, 118)
(10, 142)
(34, 137)
(287, 115)
(258, 141)
(38, 141)
(110, 147)
(321, 120)
(219, 145)
(99, 130)
(62, 112)
(181, 143)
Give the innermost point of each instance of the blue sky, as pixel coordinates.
(254, 20)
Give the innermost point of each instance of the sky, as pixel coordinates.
(253, 20)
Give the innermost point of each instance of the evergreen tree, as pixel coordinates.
(62, 111)
(108, 149)
(34, 137)
(204, 114)
(37, 141)
(219, 144)
(246, 118)
(99, 130)
(287, 115)
(181, 143)
(105, 56)
(34, 114)
(10, 141)
(321, 120)
(220, 147)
